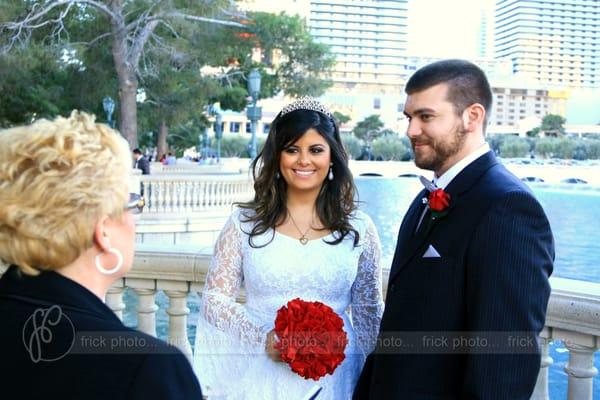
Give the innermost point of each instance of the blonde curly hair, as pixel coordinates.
(57, 179)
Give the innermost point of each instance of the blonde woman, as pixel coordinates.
(67, 229)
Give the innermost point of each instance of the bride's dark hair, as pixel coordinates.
(335, 201)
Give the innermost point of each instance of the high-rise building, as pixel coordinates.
(556, 43)
(367, 37)
(369, 41)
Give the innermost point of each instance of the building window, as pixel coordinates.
(248, 127)
(377, 103)
(234, 127)
(266, 128)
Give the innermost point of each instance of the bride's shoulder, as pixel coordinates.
(242, 217)
(360, 219)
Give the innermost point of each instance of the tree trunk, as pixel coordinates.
(126, 76)
(162, 146)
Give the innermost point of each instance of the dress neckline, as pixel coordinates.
(298, 240)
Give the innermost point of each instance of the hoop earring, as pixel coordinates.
(330, 175)
(277, 176)
(117, 267)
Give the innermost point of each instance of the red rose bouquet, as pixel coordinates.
(312, 338)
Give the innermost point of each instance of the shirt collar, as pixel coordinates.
(447, 177)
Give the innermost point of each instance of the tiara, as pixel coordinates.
(306, 103)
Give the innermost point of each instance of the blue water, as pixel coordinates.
(573, 214)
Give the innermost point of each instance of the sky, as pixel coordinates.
(443, 28)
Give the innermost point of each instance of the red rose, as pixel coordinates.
(312, 338)
(439, 200)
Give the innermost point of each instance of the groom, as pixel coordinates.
(468, 286)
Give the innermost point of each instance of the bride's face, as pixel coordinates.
(305, 163)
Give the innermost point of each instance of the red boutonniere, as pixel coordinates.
(438, 201)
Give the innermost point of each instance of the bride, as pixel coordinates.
(301, 236)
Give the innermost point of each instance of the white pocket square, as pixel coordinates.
(431, 252)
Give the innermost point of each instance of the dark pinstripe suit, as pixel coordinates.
(497, 252)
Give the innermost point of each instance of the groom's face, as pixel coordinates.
(436, 132)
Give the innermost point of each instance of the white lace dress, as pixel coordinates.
(230, 358)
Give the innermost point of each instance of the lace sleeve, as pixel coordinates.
(367, 303)
(223, 282)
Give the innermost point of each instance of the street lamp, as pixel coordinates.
(218, 134)
(253, 112)
(109, 107)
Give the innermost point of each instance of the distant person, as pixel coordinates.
(472, 261)
(141, 162)
(171, 160)
(67, 229)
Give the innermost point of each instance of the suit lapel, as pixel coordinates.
(407, 230)
(408, 244)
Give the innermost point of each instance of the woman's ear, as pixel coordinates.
(102, 234)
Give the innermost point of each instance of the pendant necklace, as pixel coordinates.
(303, 239)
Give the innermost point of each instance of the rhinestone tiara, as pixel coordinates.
(306, 103)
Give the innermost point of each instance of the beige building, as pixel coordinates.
(515, 103)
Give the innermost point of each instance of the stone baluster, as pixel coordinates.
(581, 371)
(168, 197)
(160, 196)
(146, 311)
(209, 194)
(177, 195)
(188, 186)
(114, 300)
(178, 312)
(541, 387)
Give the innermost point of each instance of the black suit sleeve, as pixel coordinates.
(144, 165)
(508, 264)
(165, 376)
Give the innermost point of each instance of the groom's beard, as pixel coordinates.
(441, 149)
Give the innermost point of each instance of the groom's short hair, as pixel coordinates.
(467, 84)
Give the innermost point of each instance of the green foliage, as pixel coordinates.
(553, 123)
(514, 147)
(390, 147)
(535, 132)
(369, 129)
(341, 118)
(593, 149)
(352, 145)
(233, 146)
(545, 147)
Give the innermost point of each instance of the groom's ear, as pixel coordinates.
(473, 117)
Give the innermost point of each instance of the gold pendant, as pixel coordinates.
(303, 240)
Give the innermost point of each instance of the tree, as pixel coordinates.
(514, 147)
(352, 146)
(341, 118)
(369, 129)
(553, 124)
(390, 147)
(132, 28)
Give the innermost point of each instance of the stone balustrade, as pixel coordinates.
(192, 193)
(573, 311)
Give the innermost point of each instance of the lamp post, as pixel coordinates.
(109, 107)
(218, 134)
(253, 112)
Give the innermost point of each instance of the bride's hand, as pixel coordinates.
(270, 347)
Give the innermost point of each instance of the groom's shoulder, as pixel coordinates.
(498, 181)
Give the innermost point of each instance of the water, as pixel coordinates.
(573, 213)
